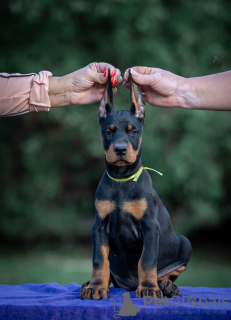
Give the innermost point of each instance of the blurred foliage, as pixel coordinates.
(51, 162)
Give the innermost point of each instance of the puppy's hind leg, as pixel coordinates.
(167, 286)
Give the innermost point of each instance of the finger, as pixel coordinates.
(102, 77)
(118, 77)
(101, 69)
(126, 84)
(150, 77)
(101, 66)
(140, 70)
(97, 77)
(146, 80)
(114, 90)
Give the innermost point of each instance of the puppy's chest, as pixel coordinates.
(123, 214)
(121, 209)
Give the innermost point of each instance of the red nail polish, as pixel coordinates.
(113, 81)
(105, 73)
(112, 74)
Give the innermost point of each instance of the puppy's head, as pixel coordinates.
(121, 130)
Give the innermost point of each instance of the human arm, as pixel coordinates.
(165, 89)
(22, 93)
(83, 86)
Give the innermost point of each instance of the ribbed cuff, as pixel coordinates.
(39, 99)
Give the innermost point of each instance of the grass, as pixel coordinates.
(64, 267)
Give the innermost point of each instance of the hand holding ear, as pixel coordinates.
(88, 84)
(83, 86)
(137, 106)
(159, 87)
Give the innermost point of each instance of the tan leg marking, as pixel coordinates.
(148, 285)
(104, 207)
(102, 276)
(136, 208)
(174, 273)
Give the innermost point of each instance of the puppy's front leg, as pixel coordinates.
(147, 265)
(97, 287)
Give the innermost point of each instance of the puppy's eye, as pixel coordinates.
(108, 133)
(134, 132)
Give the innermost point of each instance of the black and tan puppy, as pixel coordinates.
(134, 244)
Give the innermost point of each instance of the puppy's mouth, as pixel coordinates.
(121, 161)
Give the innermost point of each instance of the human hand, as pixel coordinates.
(83, 86)
(159, 87)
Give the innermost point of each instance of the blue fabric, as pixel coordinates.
(54, 301)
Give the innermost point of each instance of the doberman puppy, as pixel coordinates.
(134, 244)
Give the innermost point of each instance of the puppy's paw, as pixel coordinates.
(168, 287)
(153, 291)
(93, 292)
(84, 285)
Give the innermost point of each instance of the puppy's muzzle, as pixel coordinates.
(120, 149)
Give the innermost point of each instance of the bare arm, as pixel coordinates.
(165, 89)
(211, 92)
(22, 93)
(83, 86)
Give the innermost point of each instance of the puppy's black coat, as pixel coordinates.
(134, 244)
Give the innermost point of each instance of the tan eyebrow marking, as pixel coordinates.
(112, 127)
(129, 127)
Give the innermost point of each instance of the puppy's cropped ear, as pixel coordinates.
(106, 103)
(137, 101)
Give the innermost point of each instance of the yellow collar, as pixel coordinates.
(135, 176)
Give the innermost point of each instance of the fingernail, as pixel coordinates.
(125, 78)
(112, 74)
(105, 73)
(113, 81)
(124, 83)
(134, 73)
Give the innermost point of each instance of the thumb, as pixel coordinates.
(97, 77)
(142, 79)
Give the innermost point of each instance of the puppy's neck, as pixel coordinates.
(121, 172)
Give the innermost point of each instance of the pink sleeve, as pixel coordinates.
(22, 93)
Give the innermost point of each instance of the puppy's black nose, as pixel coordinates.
(120, 149)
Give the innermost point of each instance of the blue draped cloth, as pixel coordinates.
(55, 301)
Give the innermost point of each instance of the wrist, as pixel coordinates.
(186, 95)
(59, 91)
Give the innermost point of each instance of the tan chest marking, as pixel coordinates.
(136, 208)
(104, 207)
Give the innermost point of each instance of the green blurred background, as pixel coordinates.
(52, 162)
